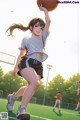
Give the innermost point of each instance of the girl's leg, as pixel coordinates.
(33, 79)
(55, 104)
(20, 92)
(59, 105)
(78, 91)
(12, 97)
(33, 83)
(76, 107)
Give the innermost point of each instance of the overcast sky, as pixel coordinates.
(63, 44)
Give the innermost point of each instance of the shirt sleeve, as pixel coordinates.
(22, 47)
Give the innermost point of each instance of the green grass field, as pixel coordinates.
(40, 112)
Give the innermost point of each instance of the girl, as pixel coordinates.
(58, 100)
(78, 106)
(29, 62)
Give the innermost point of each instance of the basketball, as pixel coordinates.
(48, 4)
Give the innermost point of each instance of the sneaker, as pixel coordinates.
(76, 109)
(21, 110)
(53, 108)
(10, 104)
(79, 112)
(59, 111)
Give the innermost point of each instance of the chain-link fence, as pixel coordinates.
(51, 103)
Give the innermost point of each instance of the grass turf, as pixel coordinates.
(40, 112)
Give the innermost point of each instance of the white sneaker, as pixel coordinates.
(53, 108)
(59, 111)
(76, 109)
(21, 110)
(11, 101)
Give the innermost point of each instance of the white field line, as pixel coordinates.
(70, 113)
(14, 118)
(41, 117)
(32, 116)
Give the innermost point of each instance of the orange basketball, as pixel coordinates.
(48, 4)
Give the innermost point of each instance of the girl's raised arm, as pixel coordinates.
(47, 18)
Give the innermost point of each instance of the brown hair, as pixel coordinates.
(23, 28)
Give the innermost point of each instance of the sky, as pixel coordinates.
(63, 43)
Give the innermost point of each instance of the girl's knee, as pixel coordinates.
(36, 84)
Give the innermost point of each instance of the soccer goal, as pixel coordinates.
(7, 58)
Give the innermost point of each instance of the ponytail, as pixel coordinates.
(16, 26)
(23, 28)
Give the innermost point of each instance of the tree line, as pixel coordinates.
(68, 88)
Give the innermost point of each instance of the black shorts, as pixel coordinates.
(29, 62)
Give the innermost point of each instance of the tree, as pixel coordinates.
(10, 84)
(71, 88)
(1, 73)
(1, 79)
(57, 84)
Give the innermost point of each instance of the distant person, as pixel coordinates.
(78, 90)
(58, 101)
(78, 106)
(29, 65)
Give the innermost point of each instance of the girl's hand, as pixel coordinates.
(42, 8)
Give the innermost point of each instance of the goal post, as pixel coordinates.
(7, 58)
